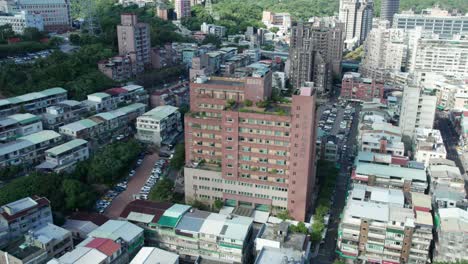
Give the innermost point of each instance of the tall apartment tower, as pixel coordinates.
(134, 40)
(315, 53)
(357, 18)
(243, 155)
(388, 9)
(182, 8)
(417, 110)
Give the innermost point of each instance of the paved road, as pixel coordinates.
(449, 136)
(326, 252)
(134, 186)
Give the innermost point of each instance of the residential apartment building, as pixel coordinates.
(53, 239)
(387, 176)
(34, 103)
(63, 113)
(434, 20)
(356, 88)
(388, 9)
(432, 53)
(134, 40)
(282, 21)
(327, 147)
(212, 29)
(20, 252)
(80, 224)
(18, 125)
(55, 13)
(277, 241)
(385, 226)
(451, 90)
(63, 158)
(18, 217)
(418, 109)
(103, 125)
(118, 68)
(191, 233)
(385, 52)
(23, 19)
(357, 18)
(182, 8)
(452, 233)
(28, 150)
(148, 255)
(428, 144)
(447, 184)
(160, 125)
(315, 53)
(246, 155)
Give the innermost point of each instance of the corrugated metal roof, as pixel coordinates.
(177, 210)
(160, 112)
(114, 229)
(25, 118)
(83, 255)
(192, 221)
(99, 95)
(385, 171)
(14, 146)
(67, 146)
(80, 125)
(40, 136)
(151, 255)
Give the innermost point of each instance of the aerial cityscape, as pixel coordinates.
(233, 131)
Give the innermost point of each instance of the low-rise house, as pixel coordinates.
(18, 217)
(103, 125)
(149, 255)
(383, 225)
(80, 224)
(192, 233)
(327, 148)
(428, 144)
(53, 239)
(63, 113)
(18, 125)
(405, 178)
(64, 157)
(278, 240)
(34, 103)
(447, 184)
(118, 68)
(159, 126)
(101, 102)
(28, 150)
(22, 252)
(356, 88)
(452, 233)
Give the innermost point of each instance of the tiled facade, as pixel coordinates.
(353, 87)
(264, 160)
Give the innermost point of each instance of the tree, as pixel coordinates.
(213, 39)
(274, 30)
(75, 39)
(283, 215)
(6, 32)
(32, 34)
(11, 172)
(218, 204)
(162, 191)
(299, 228)
(248, 103)
(178, 160)
(77, 195)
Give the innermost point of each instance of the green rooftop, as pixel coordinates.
(66, 147)
(25, 118)
(167, 221)
(160, 112)
(41, 136)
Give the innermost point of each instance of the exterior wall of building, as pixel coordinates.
(23, 20)
(365, 90)
(445, 25)
(55, 14)
(134, 38)
(417, 110)
(388, 9)
(357, 18)
(182, 8)
(33, 105)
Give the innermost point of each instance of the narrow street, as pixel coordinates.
(326, 252)
(449, 136)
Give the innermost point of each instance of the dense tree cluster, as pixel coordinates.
(178, 161)
(70, 191)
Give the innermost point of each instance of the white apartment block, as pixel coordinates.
(428, 144)
(282, 21)
(417, 110)
(384, 52)
(55, 13)
(18, 217)
(29, 149)
(159, 125)
(211, 29)
(452, 244)
(357, 18)
(451, 90)
(447, 184)
(64, 157)
(34, 103)
(381, 225)
(433, 20)
(431, 53)
(18, 125)
(20, 21)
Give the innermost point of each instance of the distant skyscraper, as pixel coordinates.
(357, 18)
(315, 53)
(182, 8)
(388, 9)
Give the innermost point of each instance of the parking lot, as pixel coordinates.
(134, 185)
